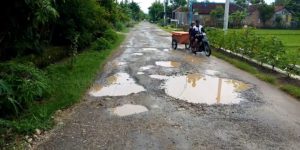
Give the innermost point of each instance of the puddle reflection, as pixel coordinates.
(172, 64)
(197, 88)
(119, 84)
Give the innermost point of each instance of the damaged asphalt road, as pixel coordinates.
(153, 97)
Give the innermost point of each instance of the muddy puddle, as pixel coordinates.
(197, 88)
(192, 59)
(172, 64)
(119, 84)
(128, 109)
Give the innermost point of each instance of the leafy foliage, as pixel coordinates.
(156, 11)
(268, 50)
(20, 85)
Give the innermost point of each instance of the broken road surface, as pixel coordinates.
(152, 97)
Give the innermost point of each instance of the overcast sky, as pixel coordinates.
(145, 4)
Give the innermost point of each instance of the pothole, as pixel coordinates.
(172, 64)
(150, 49)
(119, 84)
(211, 72)
(128, 109)
(204, 89)
(137, 54)
(146, 67)
(192, 59)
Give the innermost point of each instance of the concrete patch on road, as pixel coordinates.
(120, 84)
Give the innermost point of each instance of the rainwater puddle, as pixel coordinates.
(166, 50)
(150, 49)
(172, 64)
(119, 84)
(160, 77)
(146, 67)
(128, 109)
(121, 63)
(138, 54)
(211, 72)
(197, 88)
(140, 73)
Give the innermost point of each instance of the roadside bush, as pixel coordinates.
(102, 44)
(275, 51)
(20, 85)
(120, 26)
(110, 35)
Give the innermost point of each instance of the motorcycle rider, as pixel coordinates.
(197, 35)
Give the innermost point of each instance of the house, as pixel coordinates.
(281, 17)
(201, 11)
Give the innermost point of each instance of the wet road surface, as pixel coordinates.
(152, 97)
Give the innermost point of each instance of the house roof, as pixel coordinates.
(253, 8)
(206, 8)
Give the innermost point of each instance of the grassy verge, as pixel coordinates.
(67, 88)
(267, 77)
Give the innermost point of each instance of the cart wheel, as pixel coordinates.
(187, 46)
(174, 44)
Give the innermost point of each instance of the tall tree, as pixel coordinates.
(265, 12)
(294, 7)
(156, 11)
(177, 3)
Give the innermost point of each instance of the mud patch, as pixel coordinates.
(120, 84)
(172, 64)
(128, 109)
(192, 59)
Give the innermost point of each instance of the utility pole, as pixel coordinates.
(165, 13)
(226, 16)
(190, 13)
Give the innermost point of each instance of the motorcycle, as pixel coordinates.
(201, 44)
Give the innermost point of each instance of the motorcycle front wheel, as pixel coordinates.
(207, 49)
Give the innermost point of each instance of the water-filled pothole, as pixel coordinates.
(138, 54)
(128, 109)
(168, 64)
(150, 49)
(197, 88)
(146, 67)
(119, 84)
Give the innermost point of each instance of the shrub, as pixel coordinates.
(119, 26)
(110, 35)
(102, 44)
(20, 85)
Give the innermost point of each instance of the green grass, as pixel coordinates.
(293, 90)
(67, 88)
(288, 88)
